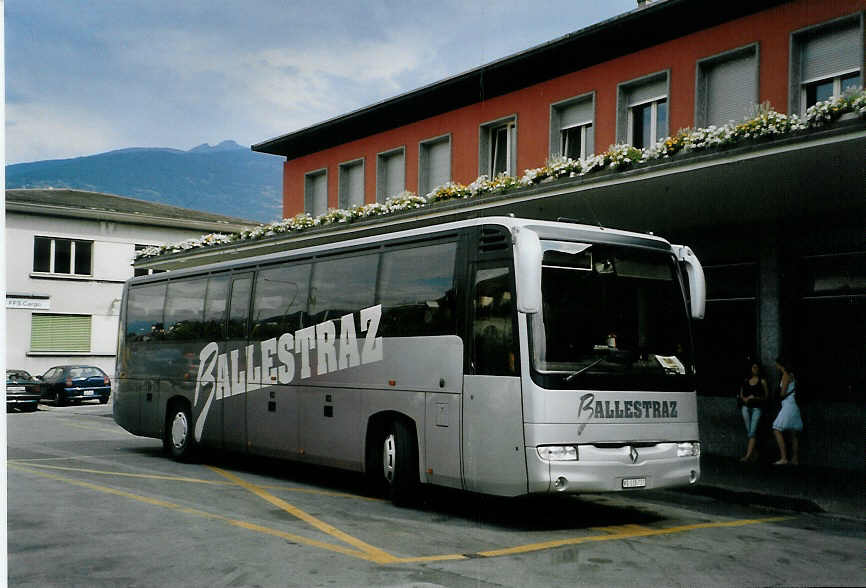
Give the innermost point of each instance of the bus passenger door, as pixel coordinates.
(493, 444)
(234, 405)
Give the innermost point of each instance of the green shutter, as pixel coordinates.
(60, 332)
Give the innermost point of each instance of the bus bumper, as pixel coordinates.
(612, 469)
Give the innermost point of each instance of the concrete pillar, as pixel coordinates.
(769, 324)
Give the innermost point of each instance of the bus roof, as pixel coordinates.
(220, 258)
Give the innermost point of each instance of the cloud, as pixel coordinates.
(36, 131)
(85, 77)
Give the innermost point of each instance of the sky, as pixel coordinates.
(85, 77)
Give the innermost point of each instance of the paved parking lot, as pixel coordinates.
(90, 504)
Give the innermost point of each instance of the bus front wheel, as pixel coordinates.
(178, 439)
(400, 462)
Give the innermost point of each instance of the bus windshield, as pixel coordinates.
(613, 318)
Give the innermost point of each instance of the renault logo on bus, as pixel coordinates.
(273, 361)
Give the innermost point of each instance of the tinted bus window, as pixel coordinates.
(239, 309)
(342, 286)
(184, 309)
(144, 313)
(416, 291)
(493, 324)
(280, 301)
(215, 308)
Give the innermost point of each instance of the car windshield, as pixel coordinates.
(18, 375)
(612, 318)
(85, 372)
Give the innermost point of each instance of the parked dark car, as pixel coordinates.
(73, 383)
(22, 391)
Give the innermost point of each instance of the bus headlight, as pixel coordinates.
(692, 449)
(558, 452)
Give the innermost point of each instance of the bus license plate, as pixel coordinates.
(634, 483)
(88, 392)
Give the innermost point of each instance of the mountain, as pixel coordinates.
(225, 179)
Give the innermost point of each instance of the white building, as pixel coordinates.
(68, 253)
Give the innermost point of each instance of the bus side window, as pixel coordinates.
(239, 307)
(184, 309)
(215, 308)
(416, 291)
(144, 328)
(342, 286)
(280, 300)
(495, 349)
(144, 313)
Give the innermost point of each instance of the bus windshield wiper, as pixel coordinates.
(573, 375)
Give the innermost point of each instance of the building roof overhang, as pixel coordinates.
(646, 26)
(799, 178)
(83, 204)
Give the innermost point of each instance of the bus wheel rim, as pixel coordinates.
(389, 457)
(179, 430)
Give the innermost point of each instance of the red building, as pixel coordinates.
(656, 64)
(780, 226)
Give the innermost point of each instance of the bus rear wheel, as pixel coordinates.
(400, 462)
(178, 439)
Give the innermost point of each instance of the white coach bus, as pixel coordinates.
(498, 355)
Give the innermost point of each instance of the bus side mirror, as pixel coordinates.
(697, 283)
(527, 268)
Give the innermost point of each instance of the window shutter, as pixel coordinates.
(60, 332)
(351, 185)
(393, 174)
(648, 91)
(316, 197)
(576, 113)
(731, 89)
(439, 164)
(831, 53)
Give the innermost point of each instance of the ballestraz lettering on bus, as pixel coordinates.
(625, 409)
(279, 355)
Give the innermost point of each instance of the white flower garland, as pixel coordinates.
(765, 123)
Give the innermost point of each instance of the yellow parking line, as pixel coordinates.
(196, 512)
(432, 558)
(27, 462)
(618, 529)
(376, 554)
(627, 534)
(171, 478)
(126, 474)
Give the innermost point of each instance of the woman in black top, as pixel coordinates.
(753, 393)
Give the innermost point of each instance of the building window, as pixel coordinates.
(316, 192)
(642, 110)
(825, 89)
(390, 173)
(727, 87)
(498, 147)
(351, 184)
(60, 332)
(826, 60)
(141, 271)
(434, 163)
(571, 131)
(62, 256)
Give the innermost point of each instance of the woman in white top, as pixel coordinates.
(789, 418)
